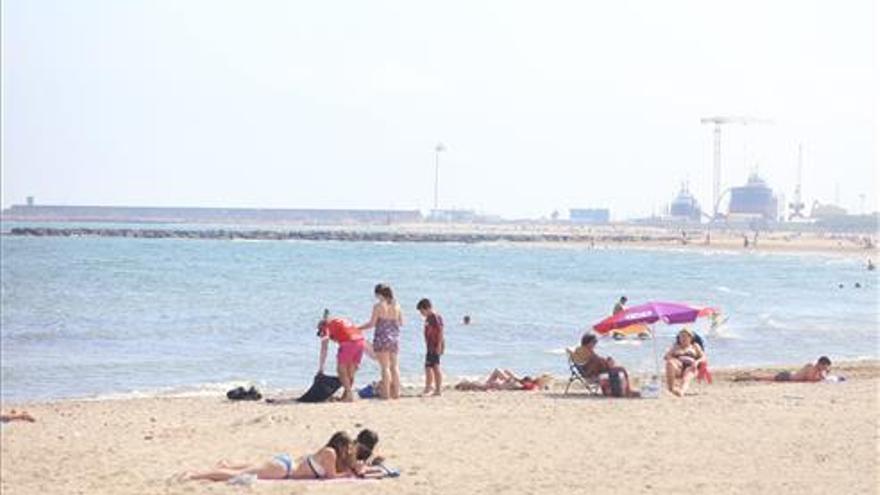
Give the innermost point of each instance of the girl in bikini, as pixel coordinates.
(682, 361)
(334, 460)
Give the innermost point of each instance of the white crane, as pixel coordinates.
(797, 204)
(718, 121)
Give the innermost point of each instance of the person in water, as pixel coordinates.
(387, 318)
(348, 357)
(591, 365)
(682, 361)
(619, 306)
(808, 373)
(504, 379)
(337, 459)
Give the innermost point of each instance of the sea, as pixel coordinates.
(104, 318)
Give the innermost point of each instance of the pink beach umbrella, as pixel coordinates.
(671, 313)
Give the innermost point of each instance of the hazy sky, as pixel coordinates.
(542, 105)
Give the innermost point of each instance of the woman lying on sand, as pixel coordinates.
(337, 459)
(503, 379)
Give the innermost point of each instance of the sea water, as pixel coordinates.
(87, 317)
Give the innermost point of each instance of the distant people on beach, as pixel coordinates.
(351, 350)
(682, 362)
(870, 265)
(619, 306)
(592, 366)
(387, 318)
(809, 373)
(14, 415)
(435, 345)
(504, 379)
(337, 459)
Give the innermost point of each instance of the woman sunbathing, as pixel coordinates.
(682, 361)
(337, 459)
(504, 379)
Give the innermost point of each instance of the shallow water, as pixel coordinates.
(97, 316)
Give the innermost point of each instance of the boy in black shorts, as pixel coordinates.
(435, 345)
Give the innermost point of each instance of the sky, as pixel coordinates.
(541, 106)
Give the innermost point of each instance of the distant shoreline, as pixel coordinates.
(598, 237)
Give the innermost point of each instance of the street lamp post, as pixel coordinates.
(437, 150)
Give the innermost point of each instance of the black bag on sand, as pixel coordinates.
(239, 393)
(322, 389)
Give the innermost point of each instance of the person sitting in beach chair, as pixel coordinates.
(682, 362)
(809, 373)
(597, 373)
(504, 379)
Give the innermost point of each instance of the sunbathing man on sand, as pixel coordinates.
(16, 416)
(809, 373)
(504, 379)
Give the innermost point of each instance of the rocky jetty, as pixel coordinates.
(329, 235)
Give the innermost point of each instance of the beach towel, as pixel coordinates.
(323, 387)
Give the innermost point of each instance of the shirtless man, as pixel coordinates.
(809, 373)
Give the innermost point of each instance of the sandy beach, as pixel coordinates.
(725, 438)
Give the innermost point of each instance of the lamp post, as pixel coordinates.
(437, 150)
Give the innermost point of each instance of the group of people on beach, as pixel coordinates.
(385, 320)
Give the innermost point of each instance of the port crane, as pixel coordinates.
(718, 121)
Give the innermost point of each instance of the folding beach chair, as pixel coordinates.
(591, 384)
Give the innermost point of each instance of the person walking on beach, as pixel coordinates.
(351, 350)
(619, 306)
(387, 318)
(435, 345)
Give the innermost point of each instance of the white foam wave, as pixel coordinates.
(215, 389)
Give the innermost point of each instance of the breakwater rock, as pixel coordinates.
(330, 235)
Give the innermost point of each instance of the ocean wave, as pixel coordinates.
(728, 290)
(211, 389)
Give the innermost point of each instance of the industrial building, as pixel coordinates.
(589, 215)
(34, 212)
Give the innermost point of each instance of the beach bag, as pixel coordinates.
(616, 384)
(323, 387)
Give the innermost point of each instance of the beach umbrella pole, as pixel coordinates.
(656, 359)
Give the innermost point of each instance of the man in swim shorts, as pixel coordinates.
(809, 373)
(351, 350)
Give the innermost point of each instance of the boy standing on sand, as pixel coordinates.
(435, 345)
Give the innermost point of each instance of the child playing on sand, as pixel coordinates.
(809, 373)
(435, 345)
